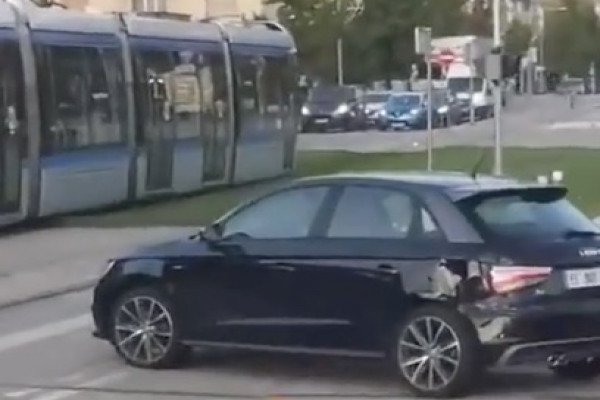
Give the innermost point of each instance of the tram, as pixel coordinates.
(101, 109)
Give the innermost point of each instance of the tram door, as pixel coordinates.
(215, 121)
(11, 128)
(159, 123)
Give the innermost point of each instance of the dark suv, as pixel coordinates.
(443, 274)
(332, 107)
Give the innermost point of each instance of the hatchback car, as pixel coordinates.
(332, 107)
(408, 110)
(443, 274)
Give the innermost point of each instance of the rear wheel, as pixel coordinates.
(145, 330)
(437, 352)
(578, 370)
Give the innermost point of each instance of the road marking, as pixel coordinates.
(46, 331)
(99, 381)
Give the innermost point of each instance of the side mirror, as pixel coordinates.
(210, 233)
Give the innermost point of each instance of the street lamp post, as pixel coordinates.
(352, 10)
(423, 47)
(497, 96)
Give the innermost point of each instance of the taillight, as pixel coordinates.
(505, 279)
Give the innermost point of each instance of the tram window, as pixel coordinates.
(152, 71)
(82, 97)
(68, 127)
(247, 84)
(272, 84)
(186, 91)
(104, 99)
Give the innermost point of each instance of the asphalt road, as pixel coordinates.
(537, 122)
(47, 353)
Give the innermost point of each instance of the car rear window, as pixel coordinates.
(533, 214)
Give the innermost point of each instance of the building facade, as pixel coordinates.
(196, 8)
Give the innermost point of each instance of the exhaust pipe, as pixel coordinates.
(557, 360)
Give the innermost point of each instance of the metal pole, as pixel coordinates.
(429, 117)
(497, 97)
(340, 50)
(471, 71)
(340, 61)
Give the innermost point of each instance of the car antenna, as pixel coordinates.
(478, 164)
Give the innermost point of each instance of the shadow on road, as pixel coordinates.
(376, 378)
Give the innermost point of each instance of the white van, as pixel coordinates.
(458, 82)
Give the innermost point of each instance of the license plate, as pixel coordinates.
(399, 124)
(321, 120)
(582, 278)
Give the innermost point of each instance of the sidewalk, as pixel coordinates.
(39, 264)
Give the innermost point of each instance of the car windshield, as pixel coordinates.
(408, 100)
(461, 85)
(531, 214)
(330, 95)
(376, 98)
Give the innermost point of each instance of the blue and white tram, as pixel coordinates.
(101, 109)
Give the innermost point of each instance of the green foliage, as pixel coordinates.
(571, 38)
(517, 38)
(378, 44)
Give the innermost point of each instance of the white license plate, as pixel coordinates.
(582, 278)
(322, 120)
(398, 124)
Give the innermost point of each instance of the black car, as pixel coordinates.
(443, 274)
(332, 107)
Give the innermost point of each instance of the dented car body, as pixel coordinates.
(334, 265)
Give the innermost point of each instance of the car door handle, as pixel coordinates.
(281, 267)
(388, 269)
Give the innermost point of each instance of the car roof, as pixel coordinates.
(456, 185)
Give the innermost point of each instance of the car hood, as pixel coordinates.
(183, 247)
(398, 111)
(559, 253)
(322, 107)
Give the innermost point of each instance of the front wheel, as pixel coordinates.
(437, 352)
(145, 330)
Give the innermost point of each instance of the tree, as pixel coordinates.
(379, 44)
(517, 38)
(571, 38)
(479, 21)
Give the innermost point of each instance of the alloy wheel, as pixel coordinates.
(429, 353)
(143, 330)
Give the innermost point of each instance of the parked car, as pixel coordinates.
(449, 110)
(332, 107)
(408, 110)
(444, 274)
(372, 103)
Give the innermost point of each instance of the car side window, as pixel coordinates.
(369, 212)
(284, 215)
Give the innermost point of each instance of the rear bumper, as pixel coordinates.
(519, 332)
(568, 350)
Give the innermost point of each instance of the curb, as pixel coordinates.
(47, 294)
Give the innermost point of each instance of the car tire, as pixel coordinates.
(578, 370)
(445, 360)
(145, 330)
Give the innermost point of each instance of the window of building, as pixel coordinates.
(150, 5)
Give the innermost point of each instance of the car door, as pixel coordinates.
(378, 242)
(242, 292)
